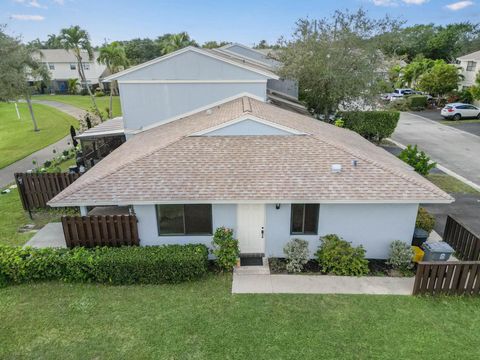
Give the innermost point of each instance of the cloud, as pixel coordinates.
(384, 2)
(59, 2)
(415, 2)
(36, 4)
(459, 5)
(398, 2)
(28, 17)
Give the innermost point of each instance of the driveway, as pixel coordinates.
(454, 149)
(464, 125)
(25, 164)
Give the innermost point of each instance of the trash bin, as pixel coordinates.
(419, 237)
(439, 251)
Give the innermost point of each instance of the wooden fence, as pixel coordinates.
(102, 230)
(36, 190)
(447, 277)
(462, 239)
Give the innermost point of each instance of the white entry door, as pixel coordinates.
(250, 228)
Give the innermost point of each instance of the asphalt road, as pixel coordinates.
(448, 146)
(472, 128)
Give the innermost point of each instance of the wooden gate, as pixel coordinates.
(463, 240)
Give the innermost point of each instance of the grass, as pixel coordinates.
(84, 102)
(203, 320)
(453, 123)
(17, 138)
(450, 184)
(13, 217)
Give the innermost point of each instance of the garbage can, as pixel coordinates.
(439, 251)
(419, 237)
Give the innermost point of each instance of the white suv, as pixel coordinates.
(457, 111)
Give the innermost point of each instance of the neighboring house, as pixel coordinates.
(470, 65)
(270, 174)
(62, 65)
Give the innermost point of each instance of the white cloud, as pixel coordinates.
(459, 5)
(36, 4)
(415, 2)
(28, 17)
(384, 2)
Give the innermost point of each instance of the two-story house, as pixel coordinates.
(208, 146)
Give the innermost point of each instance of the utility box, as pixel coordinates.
(419, 237)
(439, 251)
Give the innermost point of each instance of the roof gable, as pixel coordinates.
(192, 63)
(249, 53)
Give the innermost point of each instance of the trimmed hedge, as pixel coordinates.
(417, 102)
(118, 266)
(372, 125)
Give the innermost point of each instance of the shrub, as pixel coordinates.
(99, 93)
(296, 253)
(417, 102)
(399, 105)
(47, 164)
(124, 265)
(339, 257)
(400, 257)
(225, 248)
(417, 159)
(276, 264)
(425, 220)
(372, 125)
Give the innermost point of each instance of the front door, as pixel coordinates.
(250, 228)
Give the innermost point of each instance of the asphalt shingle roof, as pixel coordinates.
(166, 164)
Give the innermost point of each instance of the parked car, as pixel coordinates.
(457, 111)
(397, 94)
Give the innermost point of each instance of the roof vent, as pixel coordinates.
(209, 112)
(354, 163)
(336, 168)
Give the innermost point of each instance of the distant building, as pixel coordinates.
(62, 65)
(470, 65)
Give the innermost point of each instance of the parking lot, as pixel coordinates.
(471, 126)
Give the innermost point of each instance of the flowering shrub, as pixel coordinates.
(296, 253)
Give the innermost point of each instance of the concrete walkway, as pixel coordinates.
(40, 156)
(320, 284)
(50, 236)
(456, 150)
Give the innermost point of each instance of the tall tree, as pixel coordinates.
(76, 39)
(141, 50)
(214, 44)
(440, 79)
(114, 57)
(335, 60)
(18, 65)
(174, 42)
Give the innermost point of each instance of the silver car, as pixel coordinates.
(457, 111)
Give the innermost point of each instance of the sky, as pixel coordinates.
(242, 21)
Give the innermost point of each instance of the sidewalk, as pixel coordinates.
(40, 156)
(320, 284)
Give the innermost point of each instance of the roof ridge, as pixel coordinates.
(246, 104)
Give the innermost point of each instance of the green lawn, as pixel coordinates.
(85, 102)
(17, 138)
(12, 218)
(450, 184)
(203, 320)
(453, 123)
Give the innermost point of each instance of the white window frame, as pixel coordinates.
(86, 66)
(51, 66)
(471, 65)
(73, 66)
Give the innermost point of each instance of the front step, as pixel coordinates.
(263, 269)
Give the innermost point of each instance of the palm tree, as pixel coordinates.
(176, 42)
(72, 86)
(114, 57)
(76, 39)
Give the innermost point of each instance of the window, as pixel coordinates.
(471, 65)
(86, 66)
(189, 219)
(73, 66)
(51, 66)
(304, 219)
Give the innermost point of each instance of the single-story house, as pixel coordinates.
(269, 173)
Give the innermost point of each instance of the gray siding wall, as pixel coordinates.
(148, 103)
(374, 226)
(222, 215)
(284, 86)
(191, 65)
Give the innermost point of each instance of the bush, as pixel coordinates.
(277, 265)
(124, 265)
(372, 125)
(296, 253)
(339, 257)
(417, 102)
(425, 220)
(399, 105)
(417, 159)
(99, 93)
(225, 248)
(401, 255)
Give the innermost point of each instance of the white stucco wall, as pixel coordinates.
(469, 76)
(374, 226)
(150, 103)
(222, 215)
